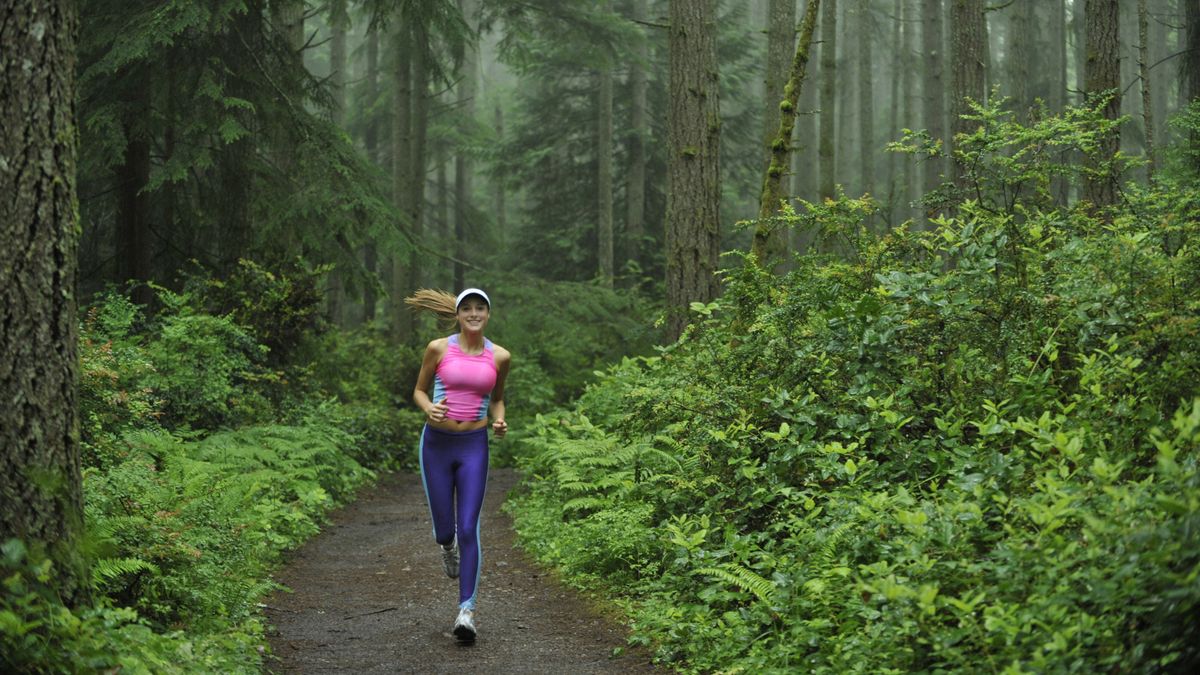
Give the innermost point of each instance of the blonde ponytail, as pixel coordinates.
(439, 303)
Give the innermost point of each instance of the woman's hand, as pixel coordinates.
(499, 428)
(437, 411)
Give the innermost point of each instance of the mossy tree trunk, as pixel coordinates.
(768, 241)
(40, 484)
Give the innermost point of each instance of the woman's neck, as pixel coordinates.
(471, 343)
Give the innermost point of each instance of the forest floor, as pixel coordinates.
(368, 595)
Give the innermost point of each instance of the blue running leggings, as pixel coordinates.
(454, 468)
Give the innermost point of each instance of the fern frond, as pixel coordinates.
(107, 569)
(745, 579)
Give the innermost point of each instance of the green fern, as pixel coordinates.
(745, 579)
(107, 569)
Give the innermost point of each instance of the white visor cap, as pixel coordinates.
(471, 291)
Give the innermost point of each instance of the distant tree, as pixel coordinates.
(639, 136)
(604, 163)
(934, 86)
(827, 147)
(1190, 70)
(865, 28)
(1102, 74)
(967, 44)
(463, 169)
(781, 40)
(769, 243)
(693, 173)
(40, 477)
(1143, 63)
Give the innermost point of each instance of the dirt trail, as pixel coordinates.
(370, 597)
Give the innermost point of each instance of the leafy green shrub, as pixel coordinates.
(972, 448)
(114, 395)
(206, 368)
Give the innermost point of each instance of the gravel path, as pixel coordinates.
(369, 596)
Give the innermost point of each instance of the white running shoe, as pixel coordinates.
(464, 626)
(450, 560)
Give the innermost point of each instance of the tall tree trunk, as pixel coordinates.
(1102, 72)
(1190, 70)
(781, 43)
(693, 160)
(501, 182)
(1079, 39)
(371, 141)
(40, 478)
(604, 172)
(866, 95)
(635, 193)
(894, 125)
(416, 175)
(463, 171)
(339, 21)
(1144, 76)
(133, 204)
(1058, 38)
(1020, 54)
(934, 89)
(768, 244)
(827, 145)
(968, 46)
(288, 16)
(908, 59)
(402, 167)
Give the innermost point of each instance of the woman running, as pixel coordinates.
(461, 381)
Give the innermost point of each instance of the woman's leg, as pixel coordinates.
(470, 481)
(437, 473)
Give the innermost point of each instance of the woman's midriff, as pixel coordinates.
(458, 426)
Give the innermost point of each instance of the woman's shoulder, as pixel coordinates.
(502, 355)
(438, 346)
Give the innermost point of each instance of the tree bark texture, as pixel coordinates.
(1102, 73)
(500, 187)
(133, 203)
(463, 170)
(402, 167)
(967, 45)
(866, 95)
(693, 171)
(416, 174)
(1020, 54)
(1143, 63)
(781, 43)
(604, 169)
(1190, 70)
(934, 89)
(40, 478)
(339, 21)
(635, 194)
(768, 244)
(908, 59)
(371, 143)
(826, 149)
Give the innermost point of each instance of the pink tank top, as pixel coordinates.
(466, 381)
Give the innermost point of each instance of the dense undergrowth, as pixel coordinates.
(967, 449)
(216, 433)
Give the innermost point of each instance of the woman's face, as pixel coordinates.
(473, 315)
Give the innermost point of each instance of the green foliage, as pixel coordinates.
(183, 521)
(972, 448)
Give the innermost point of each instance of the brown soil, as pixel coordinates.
(369, 596)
